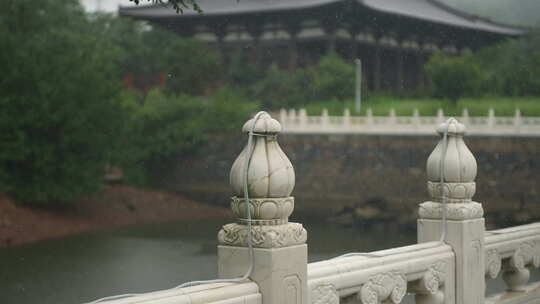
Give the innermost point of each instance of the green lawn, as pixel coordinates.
(381, 105)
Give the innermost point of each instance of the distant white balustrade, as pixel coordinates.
(298, 122)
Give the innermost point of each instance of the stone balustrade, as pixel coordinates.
(298, 122)
(450, 264)
(217, 293)
(511, 253)
(386, 276)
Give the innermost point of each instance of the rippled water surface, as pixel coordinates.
(149, 257)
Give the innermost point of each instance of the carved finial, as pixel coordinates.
(458, 172)
(270, 182)
(459, 162)
(270, 173)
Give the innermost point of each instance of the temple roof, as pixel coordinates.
(425, 10)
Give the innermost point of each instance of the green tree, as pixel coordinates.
(333, 78)
(189, 66)
(59, 115)
(165, 127)
(453, 77)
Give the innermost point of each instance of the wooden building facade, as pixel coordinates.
(393, 38)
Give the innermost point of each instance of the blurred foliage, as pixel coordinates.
(331, 78)
(57, 95)
(165, 126)
(65, 117)
(187, 65)
(510, 68)
(453, 77)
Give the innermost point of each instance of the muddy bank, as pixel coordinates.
(116, 206)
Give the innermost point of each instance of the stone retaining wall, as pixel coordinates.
(385, 172)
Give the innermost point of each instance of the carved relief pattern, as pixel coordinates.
(263, 236)
(454, 192)
(324, 293)
(434, 277)
(493, 263)
(264, 211)
(454, 211)
(392, 285)
(527, 252)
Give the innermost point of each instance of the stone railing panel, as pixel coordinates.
(425, 269)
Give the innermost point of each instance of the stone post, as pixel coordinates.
(369, 116)
(279, 247)
(283, 116)
(303, 119)
(465, 117)
(465, 222)
(440, 115)
(416, 118)
(346, 118)
(324, 119)
(517, 120)
(392, 117)
(292, 116)
(491, 119)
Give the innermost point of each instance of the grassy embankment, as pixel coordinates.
(381, 105)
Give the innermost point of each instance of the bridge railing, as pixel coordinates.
(513, 251)
(217, 293)
(299, 122)
(387, 275)
(451, 263)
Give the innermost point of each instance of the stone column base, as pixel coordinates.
(281, 273)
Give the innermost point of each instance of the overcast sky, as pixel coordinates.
(106, 5)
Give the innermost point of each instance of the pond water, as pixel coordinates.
(149, 257)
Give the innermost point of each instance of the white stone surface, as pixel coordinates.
(216, 293)
(467, 240)
(264, 211)
(280, 273)
(263, 236)
(270, 172)
(280, 253)
(459, 163)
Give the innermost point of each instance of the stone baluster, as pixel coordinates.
(416, 118)
(280, 250)
(392, 116)
(440, 116)
(302, 118)
(292, 117)
(369, 116)
(517, 120)
(465, 223)
(324, 119)
(283, 116)
(465, 117)
(491, 119)
(346, 118)
(515, 273)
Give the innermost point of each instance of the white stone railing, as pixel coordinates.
(513, 251)
(450, 265)
(426, 269)
(217, 293)
(298, 122)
